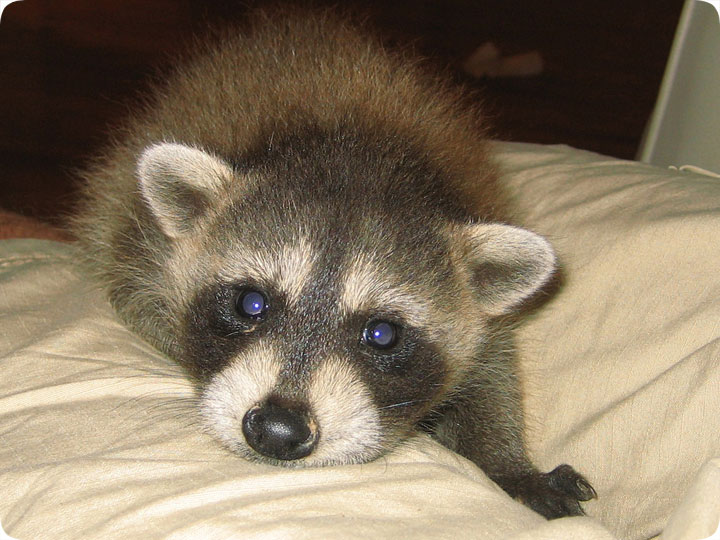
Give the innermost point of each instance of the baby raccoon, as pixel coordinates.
(311, 226)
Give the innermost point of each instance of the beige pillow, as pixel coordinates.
(99, 439)
(622, 366)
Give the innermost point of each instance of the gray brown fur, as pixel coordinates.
(348, 184)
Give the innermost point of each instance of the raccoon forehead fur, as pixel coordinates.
(311, 225)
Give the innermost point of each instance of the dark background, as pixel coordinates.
(69, 69)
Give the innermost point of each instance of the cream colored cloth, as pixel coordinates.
(99, 441)
(623, 365)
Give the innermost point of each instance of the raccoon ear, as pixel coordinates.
(508, 263)
(177, 182)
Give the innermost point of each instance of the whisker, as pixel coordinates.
(403, 403)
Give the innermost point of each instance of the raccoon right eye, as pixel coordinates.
(380, 334)
(251, 304)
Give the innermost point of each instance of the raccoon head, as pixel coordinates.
(329, 300)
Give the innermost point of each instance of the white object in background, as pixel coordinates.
(684, 128)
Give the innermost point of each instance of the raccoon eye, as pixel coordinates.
(380, 334)
(251, 304)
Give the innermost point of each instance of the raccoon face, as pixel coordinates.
(323, 314)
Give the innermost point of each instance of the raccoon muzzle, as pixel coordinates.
(278, 432)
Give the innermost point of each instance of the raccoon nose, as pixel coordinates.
(279, 432)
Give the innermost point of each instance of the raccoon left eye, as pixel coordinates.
(251, 304)
(380, 334)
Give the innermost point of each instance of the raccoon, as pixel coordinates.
(312, 226)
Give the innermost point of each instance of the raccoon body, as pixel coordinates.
(311, 226)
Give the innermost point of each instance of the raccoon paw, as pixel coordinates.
(555, 494)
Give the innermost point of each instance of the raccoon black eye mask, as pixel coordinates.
(369, 296)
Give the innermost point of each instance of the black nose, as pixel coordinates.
(278, 432)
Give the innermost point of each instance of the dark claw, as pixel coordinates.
(555, 494)
(564, 478)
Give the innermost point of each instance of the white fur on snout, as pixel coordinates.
(233, 391)
(348, 420)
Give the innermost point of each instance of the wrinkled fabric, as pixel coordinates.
(620, 367)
